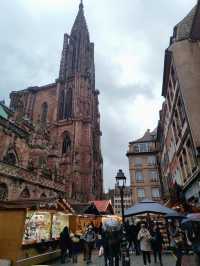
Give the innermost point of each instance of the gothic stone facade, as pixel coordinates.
(24, 171)
(64, 139)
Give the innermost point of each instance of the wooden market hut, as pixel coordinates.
(85, 214)
(18, 220)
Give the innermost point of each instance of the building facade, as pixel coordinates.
(128, 202)
(109, 195)
(61, 122)
(143, 167)
(179, 125)
(24, 173)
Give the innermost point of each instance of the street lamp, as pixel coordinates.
(120, 184)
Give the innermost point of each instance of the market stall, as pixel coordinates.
(150, 211)
(85, 214)
(82, 221)
(29, 230)
(43, 226)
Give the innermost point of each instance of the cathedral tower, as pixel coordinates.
(68, 110)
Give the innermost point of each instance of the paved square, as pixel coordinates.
(168, 260)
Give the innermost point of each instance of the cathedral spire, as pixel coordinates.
(77, 55)
(80, 22)
(81, 4)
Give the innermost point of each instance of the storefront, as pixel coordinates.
(29, 231)
(82, 221)
(85, 214)
(43, 226)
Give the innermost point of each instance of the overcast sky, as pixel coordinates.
(130, 37)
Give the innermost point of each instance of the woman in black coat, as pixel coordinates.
(65, 243)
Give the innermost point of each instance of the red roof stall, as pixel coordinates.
(104, 207)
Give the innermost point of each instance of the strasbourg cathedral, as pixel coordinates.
(50, 135)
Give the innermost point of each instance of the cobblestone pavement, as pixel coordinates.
(168, 260)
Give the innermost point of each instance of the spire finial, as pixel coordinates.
(81, 4)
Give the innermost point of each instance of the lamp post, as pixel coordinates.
(120, 184)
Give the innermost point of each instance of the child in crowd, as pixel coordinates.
(75, 247)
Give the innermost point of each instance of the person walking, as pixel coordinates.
(105, 245)
(156, 244)
(111, 239)
(145, 244)
(83, 243)
(99, 233)
(192, 230)
(65, 243)
(75, 247)
(127, 227)
(133, 235)
(176, 236)
(89, 238)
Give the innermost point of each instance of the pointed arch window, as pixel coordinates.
(73, 55)
(65, 109)
(66, 146)
(42, 162)
(68, 104)
(25, 194)
(62, 103)
(19, 106)
(3, 191)
(73, 191)
(10, 158)
(44, 113)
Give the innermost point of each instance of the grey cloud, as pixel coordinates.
(108, 84)
(116, 132)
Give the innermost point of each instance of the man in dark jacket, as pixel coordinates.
(156, 244)
(133, 233)
(111, 243)
(65, 243)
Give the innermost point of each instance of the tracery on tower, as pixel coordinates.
(65, 104)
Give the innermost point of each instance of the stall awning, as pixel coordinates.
(46, 203)
(148, 206)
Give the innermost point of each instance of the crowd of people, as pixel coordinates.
(142, 238)
(145, 240)
(183, 239)
(72, 244)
